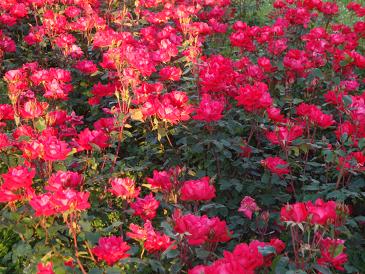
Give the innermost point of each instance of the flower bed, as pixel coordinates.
(159, 136)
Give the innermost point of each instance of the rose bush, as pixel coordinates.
(159, 136)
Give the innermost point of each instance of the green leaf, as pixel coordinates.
(40, 125)
(161, 132)
(360, 219)
(96, 271)
(328, 156)
(211, 206)
(265, 179)
(59, 166)
(297, 101)
(92, 237)
(281, 265)
(266, 250)
(322, 269)
(362, 143)
(315, 164)
(60, 270)
(156, 266)
(21, 250)
(170, 254)
(338, 250)
(318, 73)
(347, 100)
(201, 253)
(176, 268)
(167, 228)
(113, 270)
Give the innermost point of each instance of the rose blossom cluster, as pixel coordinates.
(151, 240)
(245, 258)
(201, 229)
(320, 215)
(62, 196)
(319, 212)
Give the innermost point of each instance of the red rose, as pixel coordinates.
(111, 249)
(124, 188)
(209, 109)
(276, 165)
(54, 149)
(146, 207)
(197, 190)
(248, 206)
(294, 213)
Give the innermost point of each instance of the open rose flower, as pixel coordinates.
(294, 213)
(197, 190)
(111, 249)
(86, 67)
(248, 206)
(209, 110)
(54, 149)
(124, 188)
(146, 207)
(276, 165)
(45, 268)
(18, 177)
(322, 212)
(161, 180)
